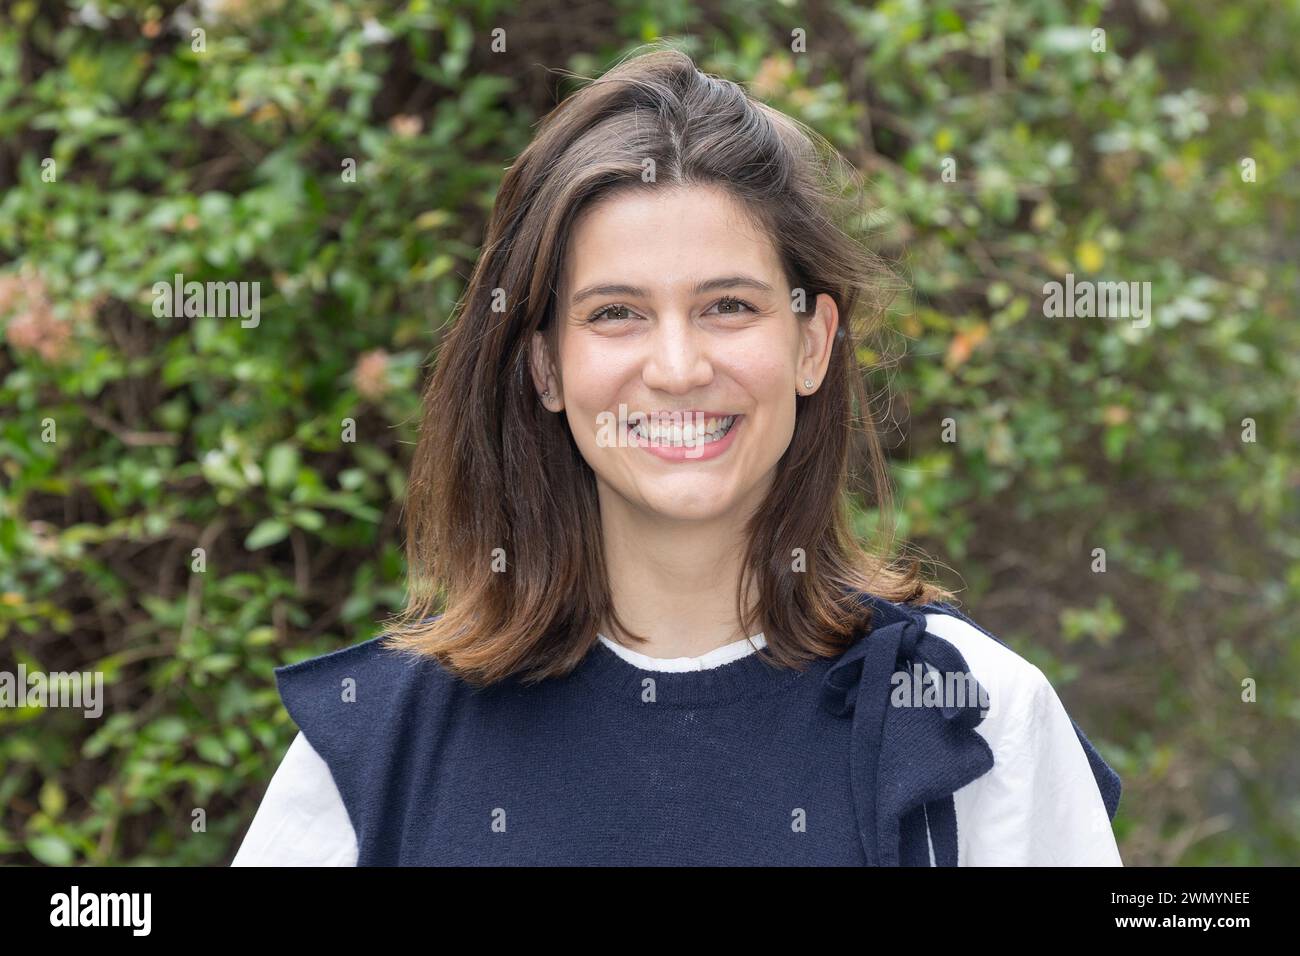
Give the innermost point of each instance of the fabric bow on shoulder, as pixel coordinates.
(905, 761)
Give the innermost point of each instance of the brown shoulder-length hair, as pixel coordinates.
(504, 534)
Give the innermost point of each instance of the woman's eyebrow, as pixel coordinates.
(706, 285)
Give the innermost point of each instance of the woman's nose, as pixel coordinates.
(678, 358)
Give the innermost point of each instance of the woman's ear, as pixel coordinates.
(818, 337)
(544, 378)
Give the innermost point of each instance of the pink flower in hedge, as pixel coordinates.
(10, 288)
(406, 125)
(371, 375)
(32, 326)
(38, 330)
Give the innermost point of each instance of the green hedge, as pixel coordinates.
(126, 157)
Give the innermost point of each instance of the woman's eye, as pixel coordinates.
(616, 313)
(610, 312)
(730, 306)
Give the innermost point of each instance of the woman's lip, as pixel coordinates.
(697, 452)
(687, 415)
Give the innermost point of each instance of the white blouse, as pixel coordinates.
(1038, 806)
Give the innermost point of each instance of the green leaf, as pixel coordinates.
(268, 531)
(51, 850)
(281, 466)
(309, 520)
(213, 751)
(52, 799)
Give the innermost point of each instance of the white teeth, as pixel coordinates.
(713, 429)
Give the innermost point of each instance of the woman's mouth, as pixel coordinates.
(697, 438)
(676, 434)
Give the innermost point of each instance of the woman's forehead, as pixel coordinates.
(666, 241)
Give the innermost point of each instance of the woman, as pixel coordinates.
(658, 641)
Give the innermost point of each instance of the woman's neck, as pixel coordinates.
(673, 583)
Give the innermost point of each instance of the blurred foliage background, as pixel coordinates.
(1122, 164)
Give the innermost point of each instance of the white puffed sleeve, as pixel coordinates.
(1040, 804)
(302, 820)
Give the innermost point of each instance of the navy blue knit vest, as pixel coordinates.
(742, 764)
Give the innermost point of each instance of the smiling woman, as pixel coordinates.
(669, 648)
(674, 333)
(668, 244)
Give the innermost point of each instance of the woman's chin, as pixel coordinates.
(706, 505)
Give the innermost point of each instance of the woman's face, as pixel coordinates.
(673, 305)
